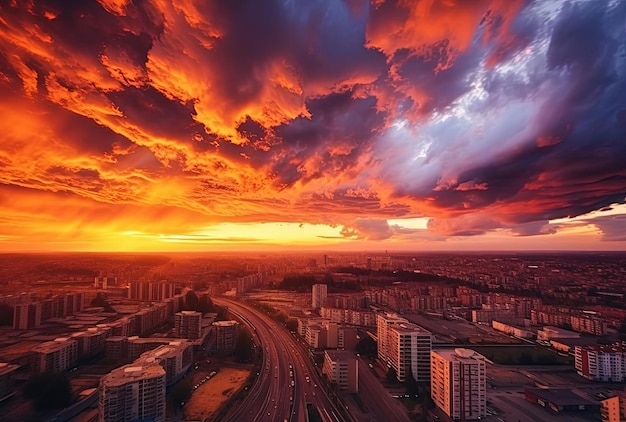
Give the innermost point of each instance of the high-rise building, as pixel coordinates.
(175, 357)
(188, 324)
(404, 346)
(225, 336)
(342, 369)
(409, 348)
(150, 291)
(55, 356)
(382, 322)
(458, 383)
(602, 363)
(132, 393)
(614, 408)
(27, 316)
(319, 295)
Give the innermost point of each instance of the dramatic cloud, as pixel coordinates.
(156, 121)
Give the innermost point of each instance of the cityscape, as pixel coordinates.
(313, 337)
(313, 211)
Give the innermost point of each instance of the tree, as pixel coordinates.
(411, 385)
(367, 347)
(101, 301)
(205, 304)
(392, 376)
(243, 346)
(49, 390)
(181, 391)
(6, 314)
(622, 330)
(191, 301)
(292, 324)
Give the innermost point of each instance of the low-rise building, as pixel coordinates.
(561, 400)
(511, 330)
(549, 332)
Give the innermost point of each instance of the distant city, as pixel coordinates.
(313, 337)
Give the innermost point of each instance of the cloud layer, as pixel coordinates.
(488, 116)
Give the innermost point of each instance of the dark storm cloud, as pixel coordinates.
(571, 162)
(485, 115)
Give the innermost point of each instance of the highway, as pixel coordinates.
(287, 379)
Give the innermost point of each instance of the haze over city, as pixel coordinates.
(343, 125)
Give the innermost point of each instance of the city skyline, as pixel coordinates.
(343, 126)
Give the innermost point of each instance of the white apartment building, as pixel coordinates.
(602, 363)
(408, 351)
(319, 294)
(133, 392)
(55, 356)
(459, 383)
(382, 322)
(404, 346)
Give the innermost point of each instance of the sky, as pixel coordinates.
(173, 125)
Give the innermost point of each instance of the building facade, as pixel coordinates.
(459, 383)
(614, 408)
(188, 324)
(405, 347)
(55, 356)
(602, 363)
(408, 351)
(133, 393)
(319, 294)
(342, 369)
(225, 336)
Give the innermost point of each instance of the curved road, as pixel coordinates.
(281, 391)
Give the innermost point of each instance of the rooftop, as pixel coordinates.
(459, 355)
(131, 373)
(561, 396)
(335, 355)
(225, 323)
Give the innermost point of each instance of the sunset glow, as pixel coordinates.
(348, 125)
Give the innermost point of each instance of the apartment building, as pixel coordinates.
(614, 408)
(225, 336)
(408, 351)
(26, 316)
(7, 386)
(404, 346)
(133, 393)
(459, 383)
(188, 324)
(55, 356)
(319, 294)
(175, 358)
(602, 363)
(342, 369)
